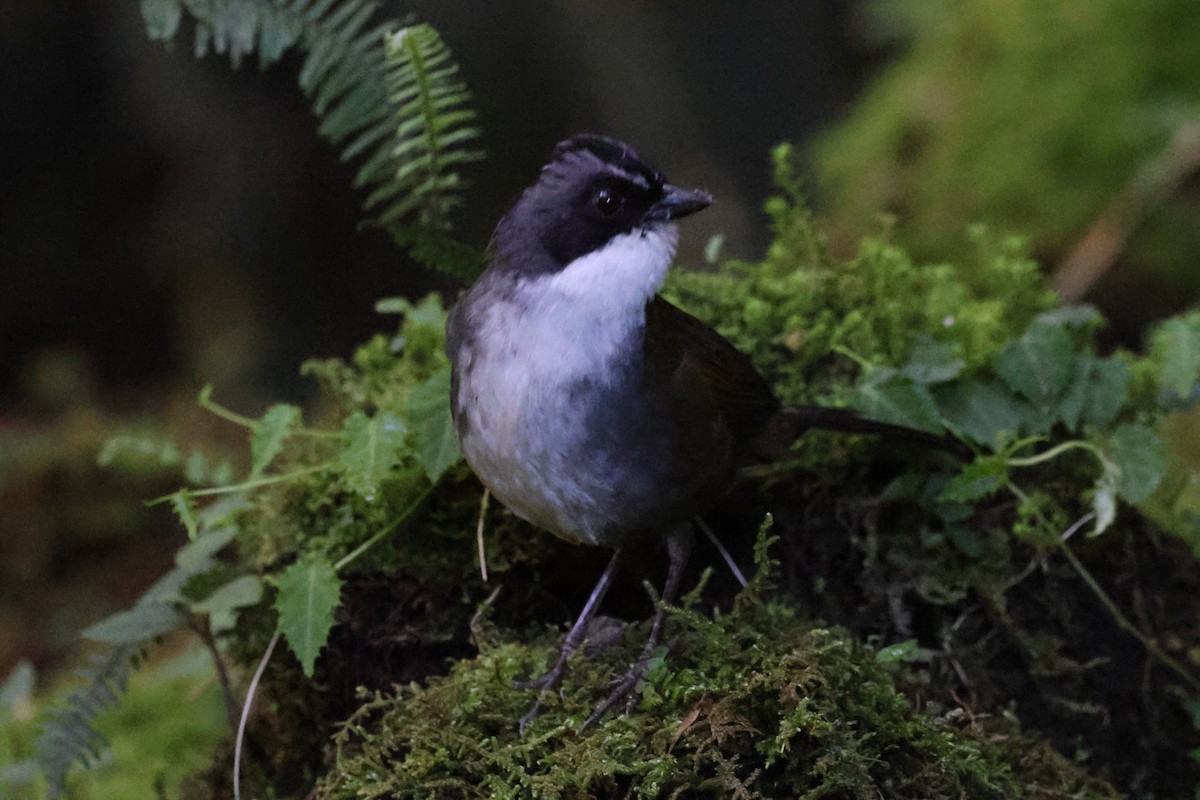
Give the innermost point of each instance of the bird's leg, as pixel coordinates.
(679, 547)
(575, 637)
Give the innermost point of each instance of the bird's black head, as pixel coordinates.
(592, 190)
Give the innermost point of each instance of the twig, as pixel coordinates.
(483, 507)
(241, 731)
(1104, 242)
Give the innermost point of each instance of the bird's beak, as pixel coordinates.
(676, 203)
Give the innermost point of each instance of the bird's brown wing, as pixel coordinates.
(700, 364)
(705, 371)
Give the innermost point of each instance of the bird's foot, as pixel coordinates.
(625, 687)
(544, 684)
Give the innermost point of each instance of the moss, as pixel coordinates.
(799, 307)
(755, 703)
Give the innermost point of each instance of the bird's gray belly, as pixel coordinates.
(587, 462)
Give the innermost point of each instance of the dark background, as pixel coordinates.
(167, 222)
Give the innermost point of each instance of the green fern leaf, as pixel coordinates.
(392, 100)
(68, 736)
(434, 130)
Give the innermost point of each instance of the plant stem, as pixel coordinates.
(384, 531)
(1053, 452)
(1124, 622)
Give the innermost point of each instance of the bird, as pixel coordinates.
(587, 403)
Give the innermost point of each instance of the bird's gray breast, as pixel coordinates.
(550, 416)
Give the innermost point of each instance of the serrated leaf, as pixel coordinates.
(1037, 365)
(374, 446)
(269, 433)
(135, 625)
(1140, 456)
(1177, 346)
(434, 440)
(979, 478)
(308, 592)
(986, 413)
(898, 400)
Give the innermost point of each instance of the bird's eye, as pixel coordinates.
(607, 203)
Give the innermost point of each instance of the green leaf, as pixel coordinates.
(242, 591)
(374, 446)
(907, 651)
(184, 506)
(1038, 365)
(1176, 344)
(433, 131)
(309, 591)
(1108, 391)
(434, 439)
(986, 413)
(269, 434)
(1098, 390)
(1140, 456)
(898, 400)
(144, 451)
(17, 687)
(197, 554)
(135, 625)
(932, 362)
(965, 539)
(428, 313)
(979, 478)
(161, 18)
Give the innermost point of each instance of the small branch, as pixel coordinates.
(241, 728)
(1109, 235)
(483, 507)
(231, 706)
(1126, 624)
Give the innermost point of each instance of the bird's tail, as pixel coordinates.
(791, 422)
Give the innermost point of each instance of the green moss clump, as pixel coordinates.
(798, 307)
(752, 704)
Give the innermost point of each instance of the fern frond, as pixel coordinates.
(69, 737)
(392, 100)
(434, 129)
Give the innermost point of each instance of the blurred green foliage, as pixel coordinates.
(156, 742)
(1033, 116)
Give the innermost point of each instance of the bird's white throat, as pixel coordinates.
(571, 321)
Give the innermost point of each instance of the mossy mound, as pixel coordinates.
(756, 703)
